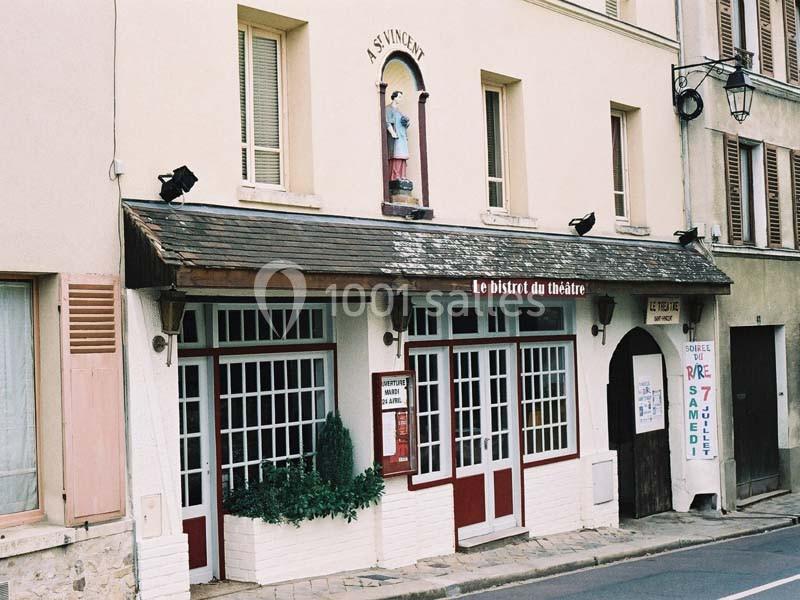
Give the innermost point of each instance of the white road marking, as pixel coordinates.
(762, 588)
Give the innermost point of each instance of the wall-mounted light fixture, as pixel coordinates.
(686, 237)
(738, 87)
(695, 313)
(605, 312)
(400, 316)
(177, 183)
(171, 305)
(583, 224)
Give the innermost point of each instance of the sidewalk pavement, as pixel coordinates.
(448, 576)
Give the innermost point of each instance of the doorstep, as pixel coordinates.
(740, 504)
(532, 558)
(492, 540)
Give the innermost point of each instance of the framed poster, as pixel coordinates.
(648, 392)
(394, 409)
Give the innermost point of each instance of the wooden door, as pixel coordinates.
(643, 466)
(485, 441)
(755, 410)
(196, 496)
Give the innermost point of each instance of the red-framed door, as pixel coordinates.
(197, 495)
(487, 488)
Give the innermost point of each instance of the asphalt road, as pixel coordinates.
(726, 570)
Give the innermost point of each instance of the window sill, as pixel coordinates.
(24, 539)
(278, 197)
(506, 220)
(636, 230)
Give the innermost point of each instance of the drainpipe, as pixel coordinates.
(687, 192)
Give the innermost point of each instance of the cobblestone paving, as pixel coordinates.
(448, 575)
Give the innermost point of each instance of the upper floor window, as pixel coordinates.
(619, 165)
(494, 105)
(261, 105)
(747, 195)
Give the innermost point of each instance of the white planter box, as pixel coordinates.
(259, 552)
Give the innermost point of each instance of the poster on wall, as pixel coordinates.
(648, 390)
(394, 408)
(700, 392)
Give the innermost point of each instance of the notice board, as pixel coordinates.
(394, 410)
(648, 392)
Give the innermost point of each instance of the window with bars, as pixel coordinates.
(261, 105)
(467, 387)
(619, 165)
(494, 106)
(271, 409)
(243, 325)
(433, 412)
(548, 402)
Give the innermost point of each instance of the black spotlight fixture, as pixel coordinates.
(583, 224)
(177, 183)
(686, 237)
(738, 87)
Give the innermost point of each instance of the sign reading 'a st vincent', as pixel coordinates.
(544, 288)
(394, 39)
(700, 392)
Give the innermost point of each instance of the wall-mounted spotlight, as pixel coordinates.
(605, 312)
(738, 87)
(695, 310)
(416, 214)
(686, 237)
(583, 224)
(171, 304)
(177, 183)
(400, 315)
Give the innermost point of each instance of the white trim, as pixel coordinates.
(782, 386)
(626, 187)
(503, 180)
(445, 434)
(327, 325)
(250, 30)
(571, 404)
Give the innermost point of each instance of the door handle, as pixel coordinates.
(486, 443)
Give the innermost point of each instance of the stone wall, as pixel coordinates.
(101, 567)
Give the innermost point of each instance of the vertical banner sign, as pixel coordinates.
(648, 387)
(700, 392)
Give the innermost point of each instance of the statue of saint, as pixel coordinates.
(397, 125)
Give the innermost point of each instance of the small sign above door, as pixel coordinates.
(547, 288)
(663, 311)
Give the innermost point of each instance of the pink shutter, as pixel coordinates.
(91, 395)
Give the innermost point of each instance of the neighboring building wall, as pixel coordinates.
(763, 292)
(77, 564)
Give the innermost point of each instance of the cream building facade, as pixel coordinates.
(743, 186)
(525, 424)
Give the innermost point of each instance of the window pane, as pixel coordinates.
(618, 165)
(268, 167)
(265, 92)
(493, 134)
(496, 194)
(746, 188)
(18, 483)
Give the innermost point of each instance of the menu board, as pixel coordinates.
(394, 410)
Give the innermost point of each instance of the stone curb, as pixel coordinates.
(485, 583)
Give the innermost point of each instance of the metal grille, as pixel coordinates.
(5, 590)
(91, 318)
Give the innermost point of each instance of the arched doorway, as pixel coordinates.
(638, 426)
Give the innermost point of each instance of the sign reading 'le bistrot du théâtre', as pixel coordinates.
(394, 39)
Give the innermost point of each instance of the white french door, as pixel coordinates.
(487, 493)
(197, 499)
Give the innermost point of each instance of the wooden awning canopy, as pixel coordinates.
(199, 246)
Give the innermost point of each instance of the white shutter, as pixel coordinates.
(266, 109)
(243, 98)
(612, 8)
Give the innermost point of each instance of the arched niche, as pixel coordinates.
(400, 72)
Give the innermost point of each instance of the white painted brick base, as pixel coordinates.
(164, 568)
(559, 497)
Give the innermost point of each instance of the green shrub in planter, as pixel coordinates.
(335, 452)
